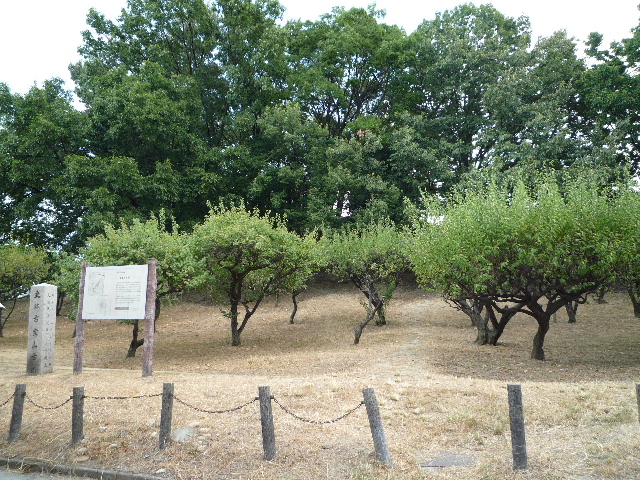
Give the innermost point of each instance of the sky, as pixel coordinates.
(39, 38)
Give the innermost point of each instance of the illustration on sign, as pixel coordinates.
(115, 293)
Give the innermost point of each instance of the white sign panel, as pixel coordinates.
(115, 293)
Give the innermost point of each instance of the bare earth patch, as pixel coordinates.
(438, 392)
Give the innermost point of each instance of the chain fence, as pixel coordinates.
(7, 401)
(283, 407)
(152, 395)
(168, 397)
(41, 407)
(316, 422)
(202, 410)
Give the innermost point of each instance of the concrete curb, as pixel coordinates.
(40, 466)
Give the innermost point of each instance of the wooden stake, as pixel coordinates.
(516, 417)
(77, 415)
(266, 420)
(149, 318)
(19, 397)
(79, 345)
(166, 415)
(377, 430)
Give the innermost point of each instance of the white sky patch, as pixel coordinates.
(39, 38)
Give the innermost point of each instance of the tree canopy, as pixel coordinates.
(20, 268)
(373, 258)
(531, 251)
(325, 122)
(244, 257)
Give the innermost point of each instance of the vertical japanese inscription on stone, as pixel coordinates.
(42, 329)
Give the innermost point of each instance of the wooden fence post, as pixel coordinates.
(266, 420)
(19, 397)
(149, 318)
(78, 347)
(377, 430)
(516, 418)
(166, 415)
(77, 415)
(638, 397)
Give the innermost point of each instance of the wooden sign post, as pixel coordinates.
(118, 293)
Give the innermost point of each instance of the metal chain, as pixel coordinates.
(30, 400)
(202, 410)
(124, 398)
(316, 422)
(8, 400)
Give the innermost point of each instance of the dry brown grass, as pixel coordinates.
(437, 392)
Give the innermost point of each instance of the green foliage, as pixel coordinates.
(37, 131)
(375, 252)
(245, 256)
(20, 268)
(500, 242)
(324, 123)
(536, 248)
(611, 92)
(373, 258)
(342, 64)
(456, 58)
(134, 244)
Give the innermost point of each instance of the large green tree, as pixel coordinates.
(455, 58)
(37, 131)
(536, 110)
(373, 258)
(611, 91)
(245, 257)
(527, 251)
(342, 65)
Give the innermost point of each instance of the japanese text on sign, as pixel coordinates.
(115, 293)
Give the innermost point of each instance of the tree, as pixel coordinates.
(454, 59)
(134, 244)
(373, 259)
(282, 162)
(536, 110)
(245, 257)
(611, 92)
(526, 251)
(342, 65)
(215, 67)
(351, 186)
(37, 131)
(20, 267)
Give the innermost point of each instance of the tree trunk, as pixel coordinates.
(59, 302)
(135, 342)
(634, 300)
(235, 337)
(371, 312)
(537, 353)
(294, 299)
(600, 295)
(235, 332)
(489, 329)
(382, 318)
(572, 309)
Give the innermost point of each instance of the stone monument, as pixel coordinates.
(42, 329)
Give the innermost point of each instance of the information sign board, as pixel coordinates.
(115, 293)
